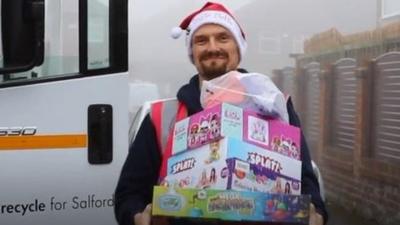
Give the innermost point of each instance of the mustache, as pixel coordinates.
(210, 54)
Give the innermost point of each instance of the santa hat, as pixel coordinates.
(210, 13)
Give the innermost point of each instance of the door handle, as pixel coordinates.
(100, 134)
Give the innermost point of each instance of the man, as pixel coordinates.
(216, 44)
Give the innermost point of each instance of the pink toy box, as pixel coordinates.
(209, 166)
(225, 120)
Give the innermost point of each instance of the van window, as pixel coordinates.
(61, 47)
(81, 38)
(98, 34)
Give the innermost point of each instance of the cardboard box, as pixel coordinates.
(206, 166)
(230, 205)
(244, 176)
(226, 120)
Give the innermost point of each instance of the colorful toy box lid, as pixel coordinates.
(230, 205)
(225, 120)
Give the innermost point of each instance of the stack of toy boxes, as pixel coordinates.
(227, 147)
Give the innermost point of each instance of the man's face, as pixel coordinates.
(215, 51)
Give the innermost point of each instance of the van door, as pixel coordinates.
(64, 124)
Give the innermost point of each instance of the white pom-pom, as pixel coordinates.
(176, 32)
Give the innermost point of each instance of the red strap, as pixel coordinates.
(181, 114)
(156, 116)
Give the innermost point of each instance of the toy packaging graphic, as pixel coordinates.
(225, 120)
(230, 205)
(244, 176)
(206, 167)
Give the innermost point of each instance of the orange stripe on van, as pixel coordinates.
(43, 142)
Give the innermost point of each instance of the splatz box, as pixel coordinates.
(225, 120)
(230, 205)
(206, 166)
(245, 176)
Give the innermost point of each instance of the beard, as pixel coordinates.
(214, 69)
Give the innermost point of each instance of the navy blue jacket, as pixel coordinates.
(140, 171)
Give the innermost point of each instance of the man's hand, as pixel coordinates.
(315, 218)
(143, 218)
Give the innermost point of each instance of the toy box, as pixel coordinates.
(225, 120)
(245, 176)
(206, 166)
(230, 205)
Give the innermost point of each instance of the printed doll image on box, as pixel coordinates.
(214, 152)
(213, 176)
(287, 188)
(204, 128)
(294, 152)
(276, 143)
(184, 182)
(285, 146)
(258, 130)
(215, 127)
(205, 181)
(278, 186)
(194, 134)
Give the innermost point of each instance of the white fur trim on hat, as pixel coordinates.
(220, 18)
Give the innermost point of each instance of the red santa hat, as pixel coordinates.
(213, 13)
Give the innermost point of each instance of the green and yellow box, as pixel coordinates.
(230, 205)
